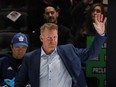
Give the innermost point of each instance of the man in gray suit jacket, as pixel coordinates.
(59, 66)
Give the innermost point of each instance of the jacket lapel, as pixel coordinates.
(36, 67)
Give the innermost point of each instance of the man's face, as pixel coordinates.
(50, 15)
(49, 39)
(19, 52)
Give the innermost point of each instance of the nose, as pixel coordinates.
(95, 12)
(51, 38)
(50, 14)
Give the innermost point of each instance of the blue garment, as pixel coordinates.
(9, 68)
(71, 57)
(10, 82)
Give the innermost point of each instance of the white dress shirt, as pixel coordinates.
(53, 72)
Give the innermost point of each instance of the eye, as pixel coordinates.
(55, 37)
(48, 38)
(52, 12)
(98, 11)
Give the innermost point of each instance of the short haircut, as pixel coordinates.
(54, 6)
(50, 26)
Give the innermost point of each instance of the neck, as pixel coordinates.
(48, 51)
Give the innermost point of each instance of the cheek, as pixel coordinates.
(14, 51)
(56, 41)
(24, 50)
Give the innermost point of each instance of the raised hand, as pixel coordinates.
(99, 24)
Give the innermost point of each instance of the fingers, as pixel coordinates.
(95, 25)
(105, 19)
(99, 18)
(96, 19)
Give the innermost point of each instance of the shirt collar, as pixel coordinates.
(44, 54)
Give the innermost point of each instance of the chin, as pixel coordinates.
(52, 47)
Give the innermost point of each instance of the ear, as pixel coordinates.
(41, 39)
(11, 46)
(57, 14)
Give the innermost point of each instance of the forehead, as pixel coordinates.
(47, 9)
(19, 46)
(97, 7)
(50, 31)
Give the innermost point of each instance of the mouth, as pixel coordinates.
(52, 45)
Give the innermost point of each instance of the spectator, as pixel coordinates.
(36, 8)
(87, 27)
(11, 63)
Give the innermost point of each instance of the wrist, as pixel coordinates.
(103, 34)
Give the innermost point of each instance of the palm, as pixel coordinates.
(99, 24)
